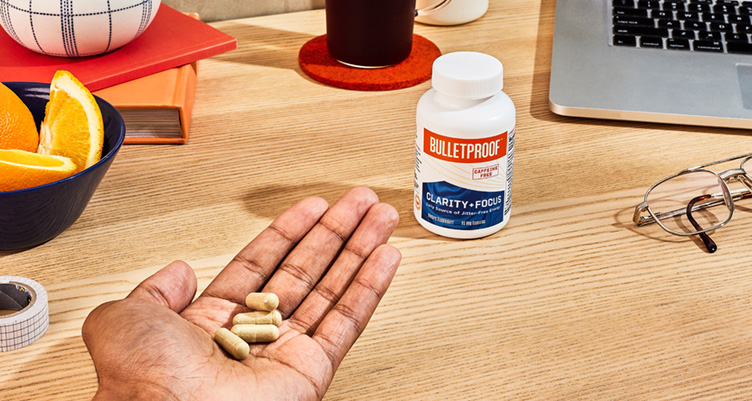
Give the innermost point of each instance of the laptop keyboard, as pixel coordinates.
(721, 26)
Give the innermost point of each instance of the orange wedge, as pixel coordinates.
(17, 127)
(72, 125)
(20, 169)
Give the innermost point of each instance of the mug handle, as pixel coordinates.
(429, 10)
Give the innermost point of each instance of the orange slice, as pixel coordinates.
(17, 127)
(20, 169)
(72, 125)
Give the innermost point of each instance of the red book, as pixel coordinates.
(173, 39)
(156, 108)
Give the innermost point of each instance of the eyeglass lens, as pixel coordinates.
(669, 201)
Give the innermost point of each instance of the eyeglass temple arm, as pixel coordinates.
(641, 220)
(710, 245)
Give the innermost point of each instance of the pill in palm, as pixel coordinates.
(258, 317)
(265, 301)
(233, 344)
(256, 333)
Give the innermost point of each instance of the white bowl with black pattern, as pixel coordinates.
(76, 28)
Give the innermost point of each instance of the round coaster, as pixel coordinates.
(317, 63)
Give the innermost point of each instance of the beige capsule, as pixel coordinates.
(256, 333)
(233, 344)
(266, 301)
(258, 317)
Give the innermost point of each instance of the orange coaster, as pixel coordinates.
(315, 60)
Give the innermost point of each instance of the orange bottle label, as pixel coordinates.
(459, 150)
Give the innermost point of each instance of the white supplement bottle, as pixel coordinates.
(464, 148)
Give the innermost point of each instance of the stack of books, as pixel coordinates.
(151, 80)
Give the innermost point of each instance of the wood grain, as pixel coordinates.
(568, 301)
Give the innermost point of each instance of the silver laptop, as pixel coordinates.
(673, 61)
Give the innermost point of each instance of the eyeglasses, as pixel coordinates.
(696, 200)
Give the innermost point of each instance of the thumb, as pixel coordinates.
(171, 287)
(174, 286)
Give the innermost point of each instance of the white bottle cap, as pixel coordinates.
(468, 75)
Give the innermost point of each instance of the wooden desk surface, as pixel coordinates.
(569, 301)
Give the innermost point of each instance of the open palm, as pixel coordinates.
(329, 266)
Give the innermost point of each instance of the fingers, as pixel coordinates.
(349, 317)
(302, 269)
(173, 287)
(375, 230)
(251, 268)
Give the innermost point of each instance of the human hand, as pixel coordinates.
(330, 268)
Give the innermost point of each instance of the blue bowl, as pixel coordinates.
(32, 216)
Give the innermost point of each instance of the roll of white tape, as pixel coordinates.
(24, 314)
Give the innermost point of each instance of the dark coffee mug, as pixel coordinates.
(372, 33)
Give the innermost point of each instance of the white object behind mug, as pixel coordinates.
(76, 28)
(455, 13)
